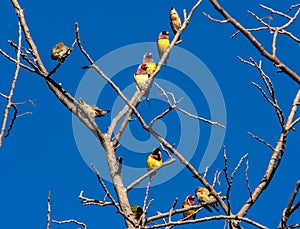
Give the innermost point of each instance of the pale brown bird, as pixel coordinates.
(60, 51)
(91, 110)
(204, 196)
(175, 21)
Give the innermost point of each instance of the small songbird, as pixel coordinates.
(188, 202)
(147, 59)
(137, 211)
(163, 43)
(175, 21)
(140, 77)
(60, 51)
(93, 111)
(154, 159)
(203, 196)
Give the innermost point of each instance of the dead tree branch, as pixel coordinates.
(13, 86)
(274, 161)
(48, 212)
(70, 221)
(288, 211)
(273, 58)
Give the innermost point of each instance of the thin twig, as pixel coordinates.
(106, 189)
(214, 19)
(260, 140)
(274, 161)
(180, 210)
(48, 212)
(172, 209)
(292, 7)
(89, 201)
(274, 59)
(13, 85)
(210, 218)
(15, 61)
(287, 212)
(174, 106)
(70, 221)
(146, 195)
(247, 178)
(199, 118)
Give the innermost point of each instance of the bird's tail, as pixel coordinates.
(215, 206)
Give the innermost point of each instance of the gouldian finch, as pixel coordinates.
(163, 43)
(154, 159)
(189, 201)
(147, 59)
(204, 196)
(93, 111)
(140, 77)
(59, 51)
(137, 211)
(175, 21)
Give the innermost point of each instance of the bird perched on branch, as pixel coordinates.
(154, 159)
(163, 43)
(140, 77)
(91, 110)
(175, 21)
(137, 211)
(60, 51)
(204, 196)
(148, 60)
(188, 202)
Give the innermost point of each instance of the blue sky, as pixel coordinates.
(42, 154)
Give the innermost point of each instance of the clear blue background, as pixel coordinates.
(41, 154)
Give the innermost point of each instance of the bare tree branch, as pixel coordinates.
(34, 51)
(274, 161)
(15, 61)
(260, 140)
(247, 178)
(292, 7)
(70, 221)
(89, 201)
(180, 210)
(13, 85)
(48, 212)
(174, 106)
(214, 19)
(211, 218)
(274, 59)
(288, 211)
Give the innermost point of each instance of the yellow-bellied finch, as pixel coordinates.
(188, 202)
(59, 51)
(147, 59)
(91, 110)
(203, 196)
(163, 43)
(154, 159)
(175, 21)
(140, 77)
